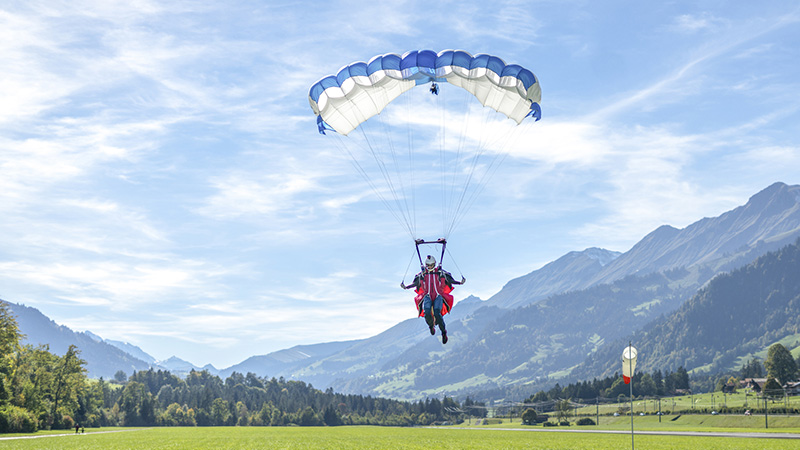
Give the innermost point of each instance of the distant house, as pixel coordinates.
(729, 388)
(754, 384)
(792, 388)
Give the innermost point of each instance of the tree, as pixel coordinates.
(780, 364)
(9, 346)
(138, 405)
(669, 384)
(331, 417)
(772, 389)
(242, 418)
(120, 376)
(9, 332)
(797, 363)
(308, 418)
(752, 369)
(681, 378)
(658, 379)
(646, 386)
(220, 412)
(619, 388)
(529, 416)
(563, 408)
(69, 377)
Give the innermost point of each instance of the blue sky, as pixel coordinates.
(162, 181)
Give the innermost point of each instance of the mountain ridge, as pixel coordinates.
(636, 290)
(752, 306)
(568, 272)
(595, 286)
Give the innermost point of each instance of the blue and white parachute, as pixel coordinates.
(361, 90)
(453, 145)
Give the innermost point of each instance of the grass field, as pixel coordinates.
(362, 438)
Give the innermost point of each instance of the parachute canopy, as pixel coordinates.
(421, 150)
(361, 90)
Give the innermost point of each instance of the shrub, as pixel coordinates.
(585, 421)
(549, 424)
(14, 419)
(564, 423)
(66, 422)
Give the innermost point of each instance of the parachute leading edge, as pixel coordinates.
(362, 90)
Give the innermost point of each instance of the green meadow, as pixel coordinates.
(365, 437)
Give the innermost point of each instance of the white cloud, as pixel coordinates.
(693, 23)
(260, 194)
(124, 285)
(160, 172)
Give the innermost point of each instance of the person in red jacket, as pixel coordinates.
(433, 286)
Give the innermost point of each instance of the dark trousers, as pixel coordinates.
(437, 311)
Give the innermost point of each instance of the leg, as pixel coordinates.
(437, 313)
(426, 307)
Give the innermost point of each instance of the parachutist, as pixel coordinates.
(434, 88)
(433, 287)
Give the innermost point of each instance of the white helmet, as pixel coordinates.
(430, 262)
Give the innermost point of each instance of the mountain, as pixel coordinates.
(570, 272)
(532, 343)
(546, 325)
(768, 221)
(548, 338)
(103, 359)
(737, 315)
(288, 360)
(130, 349)
(181, 368)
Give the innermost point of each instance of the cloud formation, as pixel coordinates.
(162, 181)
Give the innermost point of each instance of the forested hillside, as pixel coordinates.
(41, 390)
(735, 315)
(545, 340)
(530, 343)
(103, 359)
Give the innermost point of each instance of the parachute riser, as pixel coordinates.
(419, 242)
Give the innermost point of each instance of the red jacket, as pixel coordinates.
(434, 284)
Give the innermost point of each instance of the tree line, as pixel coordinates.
(652, 384)
(41, 390)
(778, 368)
